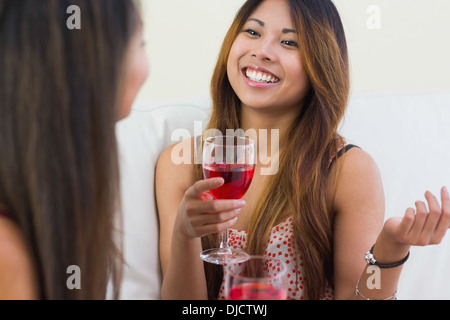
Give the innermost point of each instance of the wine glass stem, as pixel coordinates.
(224, 241)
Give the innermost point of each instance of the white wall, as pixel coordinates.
(183, 40)
(409, 51)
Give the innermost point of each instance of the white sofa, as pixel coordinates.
(407, 133)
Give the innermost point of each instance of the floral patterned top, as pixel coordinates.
(282, 246)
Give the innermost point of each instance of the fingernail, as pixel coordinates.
(242, 203)
(446, 191)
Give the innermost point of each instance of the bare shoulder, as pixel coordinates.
(17, 277)
(175, 167)
(357, 160)
(358, 179)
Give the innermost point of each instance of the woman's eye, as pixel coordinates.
(251, 32)
(290, 43)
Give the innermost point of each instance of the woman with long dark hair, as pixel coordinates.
(62, 91)
(284, 66)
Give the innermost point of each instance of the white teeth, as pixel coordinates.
(260, 77)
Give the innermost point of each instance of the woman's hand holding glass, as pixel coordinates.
(199, 214)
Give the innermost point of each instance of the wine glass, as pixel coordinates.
(233, 159)
(257, 278)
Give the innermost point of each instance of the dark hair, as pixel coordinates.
(299, 187)
(58, 152)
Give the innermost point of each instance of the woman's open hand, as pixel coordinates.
(422, 226)
(199, 214)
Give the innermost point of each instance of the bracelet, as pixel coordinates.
(357, 292)
(372, 261)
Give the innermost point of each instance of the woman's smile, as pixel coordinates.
(258, 77)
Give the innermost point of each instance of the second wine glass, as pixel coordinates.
(258, 278)
(233, 159)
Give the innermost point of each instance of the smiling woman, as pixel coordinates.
(284, 65)
(270, 38)
(286, 38)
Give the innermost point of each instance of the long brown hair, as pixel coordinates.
(58, 152)
(312, 141)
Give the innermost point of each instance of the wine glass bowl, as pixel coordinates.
(257, 278)
(233, 159)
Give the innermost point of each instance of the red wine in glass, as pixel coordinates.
(237, 179)
(256, 291)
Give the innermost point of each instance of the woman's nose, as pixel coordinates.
(264, 50)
